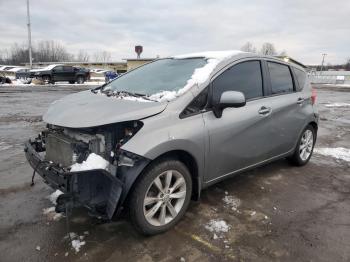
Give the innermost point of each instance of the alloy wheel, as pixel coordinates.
(164, 198)
(306, 145)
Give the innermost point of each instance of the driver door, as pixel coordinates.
(241, 137)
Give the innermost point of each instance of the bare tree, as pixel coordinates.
(51, 51)
(82, 56)
(268, 49)
(248, 47)
(102, 56)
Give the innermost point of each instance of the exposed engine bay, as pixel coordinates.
(56, 149)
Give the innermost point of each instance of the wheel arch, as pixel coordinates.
(183, 156)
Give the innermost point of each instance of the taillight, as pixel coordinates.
(313, 96)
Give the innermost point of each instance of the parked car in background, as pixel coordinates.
(110, 75)
(57, 73)
(23, 73)
(152, 139)
(4, 79)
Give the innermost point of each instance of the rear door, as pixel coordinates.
(285, 101)
(57, 73)
(68, 73)
(240, 138)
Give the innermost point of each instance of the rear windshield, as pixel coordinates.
(168, 74)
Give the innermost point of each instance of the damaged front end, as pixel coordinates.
(61, 157)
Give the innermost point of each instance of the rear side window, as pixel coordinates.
(244, 77)
(301, 77)
(281, 78)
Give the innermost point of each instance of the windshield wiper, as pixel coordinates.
(110, 92)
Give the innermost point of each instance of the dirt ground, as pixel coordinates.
(276, 213)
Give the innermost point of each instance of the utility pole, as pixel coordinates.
(323, 56)
(29, 37)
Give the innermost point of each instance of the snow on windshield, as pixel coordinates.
(199, 76)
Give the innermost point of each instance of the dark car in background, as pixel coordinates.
(57, 73)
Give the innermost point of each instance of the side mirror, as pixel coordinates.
(229, 99)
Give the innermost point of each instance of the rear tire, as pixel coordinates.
(71, 82)
(305, 147)
(80, 80)
(160, 197)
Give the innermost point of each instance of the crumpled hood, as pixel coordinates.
(86, 109)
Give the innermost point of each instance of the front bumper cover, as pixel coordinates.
(98, 190)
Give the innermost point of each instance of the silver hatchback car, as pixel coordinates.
(149, 141)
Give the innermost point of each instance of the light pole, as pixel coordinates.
(323, 56)
(29, 37)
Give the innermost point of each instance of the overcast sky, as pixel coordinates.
(304, 28)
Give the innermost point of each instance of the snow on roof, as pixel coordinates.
(16, 69)
(221, 55)
(49, 67)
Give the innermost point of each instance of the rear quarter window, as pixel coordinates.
(301, 77)
(281, 78)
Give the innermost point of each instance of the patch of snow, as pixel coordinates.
(338, 105)
(337, 152)
(49, 67)
(253, 213)
(232, 202)
(53, 197)
(211, 54)
(77, 244)
(51, 214)
(133, 98)
(66, 254)
(38, 248)
(93, 161)
(217, 226)
(200, 75)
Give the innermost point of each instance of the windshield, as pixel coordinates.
(162, 75)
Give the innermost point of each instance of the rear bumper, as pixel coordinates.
(97, 189)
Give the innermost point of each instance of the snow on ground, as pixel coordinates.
(76, 241)
(338, 152)
(232, 202)
(338, 105)
(53, 197)
(51, 214)
(50, 211)
(217, 226)
(93, 161)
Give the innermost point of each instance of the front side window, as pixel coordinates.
(281, 78)
(58, 68)
(168, 74)
(301, 77)
(244, 77)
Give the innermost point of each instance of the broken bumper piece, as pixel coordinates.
(98, 190)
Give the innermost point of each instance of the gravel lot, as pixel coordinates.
(274, 213)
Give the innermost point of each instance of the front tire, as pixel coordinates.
(47, 79)
(305, 147)
(161, 197)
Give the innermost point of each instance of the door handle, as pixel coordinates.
(300, 100)
(264, 110)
